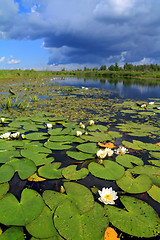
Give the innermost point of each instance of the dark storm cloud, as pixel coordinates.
(87, 31)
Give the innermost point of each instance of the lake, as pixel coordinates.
(124, 88)
(36, 164)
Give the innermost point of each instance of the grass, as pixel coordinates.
(23, 74)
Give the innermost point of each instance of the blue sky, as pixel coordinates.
(55, 34)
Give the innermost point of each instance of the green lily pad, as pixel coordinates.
(155, 154)
(155, 162)
(42, 226)
(37, 158)
(88, 148)
(79, 156)
(51, 171)
(76, 193)
(154, 192)
(6, 173)
(4, 188)
(57, 145)
(36, 136)
(137, 219)
(72, 225)
(13, 233)
(71, 173)
(59, 131)
(127, 160)
(62, 138)
(129, 184)
(97, 127)
(20, 213)
(38, 149)
(135, 145)
(109, 170)
(151, 171)
(6, 156)
(24, 167)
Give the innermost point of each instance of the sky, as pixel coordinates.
(71, 34)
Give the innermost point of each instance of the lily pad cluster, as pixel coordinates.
(42, 154)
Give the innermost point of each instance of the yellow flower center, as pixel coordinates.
(108, 197)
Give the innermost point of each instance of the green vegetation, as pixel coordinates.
(52, 178)
(127, 71)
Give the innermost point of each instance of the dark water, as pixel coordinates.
(124, 88)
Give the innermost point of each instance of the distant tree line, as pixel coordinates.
(127, 67)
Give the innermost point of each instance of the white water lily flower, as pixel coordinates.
(91, 122)
(78, 133)
(2, 120)
(107, 196)
(144, 105)
(49, 125)
(5, 135)
(151, 103)
(15, 135)
(101, 153)
(109, 152)
(121, 150)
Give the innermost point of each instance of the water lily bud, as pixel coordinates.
(23, 136)
(62, 189)
(82, 126)
(2, 120)
(100, 161)
(91, 122)
(86, 133)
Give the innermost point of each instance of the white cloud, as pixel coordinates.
(2, 59)
(13, 61)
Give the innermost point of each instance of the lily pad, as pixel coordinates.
(72, 225)
(129, 184)
(37, 158)
(42, 226)
(36, 136)
(127, 160)
(155, 154)
(76, 193)
(79, 156)
(57, 145)
(151, 171)
(137, 219)
(6, 156)
(20, 213)
(62, 138)
(24, 167)
(71, 173)
(88, 148)
(154, 192)
(51, 171)
(4, 188)
(109, 170)
(13, 233)
(6, 173)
